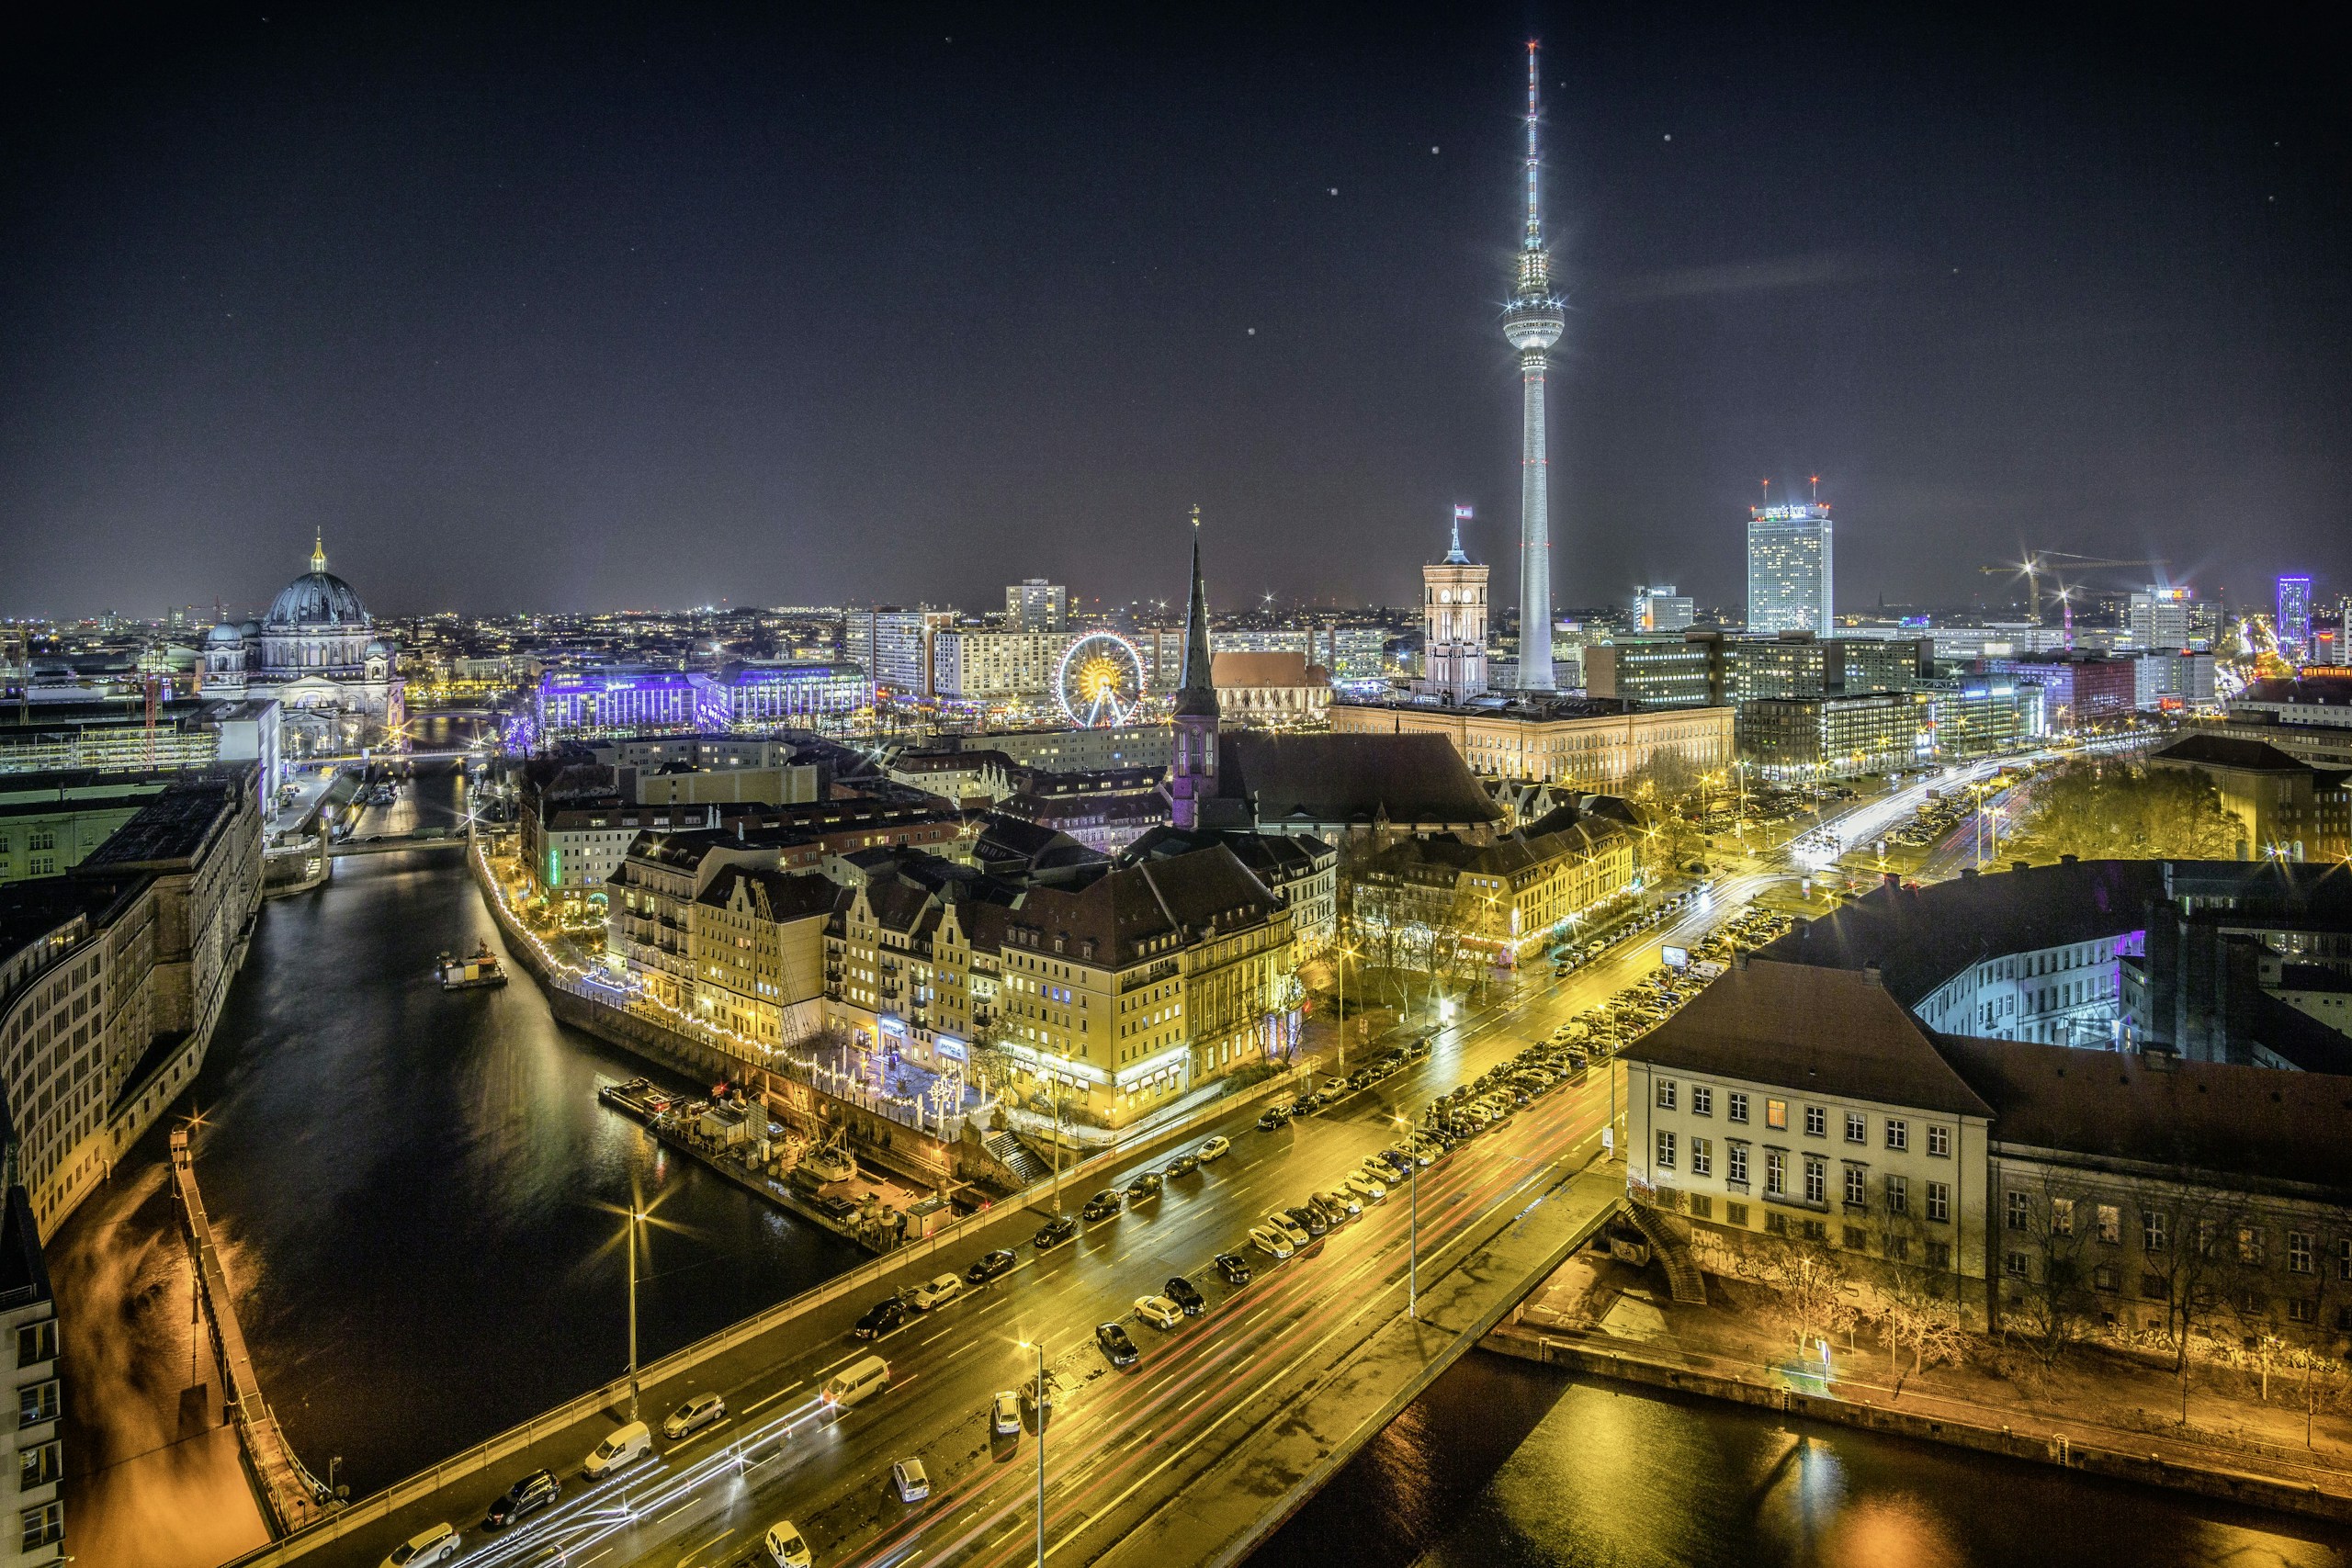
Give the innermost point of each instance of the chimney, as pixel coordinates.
(2070, 860)
(1891, 880)
(2020, 865)
(1969, 872)
(1739, 959)
(1873, 977)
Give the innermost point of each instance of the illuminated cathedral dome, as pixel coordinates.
(317, 598)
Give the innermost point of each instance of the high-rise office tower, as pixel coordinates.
(1789, 579)
(1035, 605)
(2158, 619)
(2294, 622)
(1533, 323)
(1453, 623)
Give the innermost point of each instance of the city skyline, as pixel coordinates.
(573, 353)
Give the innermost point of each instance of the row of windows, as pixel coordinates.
(2105, 1223)
(1894, 1189)
(1897, 1130)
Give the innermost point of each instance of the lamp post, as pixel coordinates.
(1039, 1347)
(1413, 1242)
(634, 1217)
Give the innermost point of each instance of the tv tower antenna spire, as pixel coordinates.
(1531, 323)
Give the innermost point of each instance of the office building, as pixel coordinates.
(970, 664)
(33, 1465)
(2286, 808)
(1453, 623)
(1684, 671)
(2163, 620)
(2081, 691)
(624, 700)
(893, 645)
(1035, 605)
(1981, 715)
(1791, 570)
(2294, 622)
(1804, 739)
(1660, 609)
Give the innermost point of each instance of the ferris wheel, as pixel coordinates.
(1101, 681)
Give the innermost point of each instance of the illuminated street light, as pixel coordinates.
(1413, 1245)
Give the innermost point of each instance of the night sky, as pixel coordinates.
(596, 307)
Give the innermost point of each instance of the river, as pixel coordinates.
(1506, 1465)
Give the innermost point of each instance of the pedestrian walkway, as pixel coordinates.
(289, 1494)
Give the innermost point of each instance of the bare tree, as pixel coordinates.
(2052, 1298)
(1813, 1290)
(1917, 1316)
(2187, 1236)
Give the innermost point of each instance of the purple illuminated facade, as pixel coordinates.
(605, 702)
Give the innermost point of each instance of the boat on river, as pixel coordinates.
(477, 969)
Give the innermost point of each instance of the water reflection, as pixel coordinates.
(1505, 1464)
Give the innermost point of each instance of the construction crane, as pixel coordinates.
(2039, 564)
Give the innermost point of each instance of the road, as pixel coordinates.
(705, 1502)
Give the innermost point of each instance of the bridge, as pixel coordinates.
(394, 843)
(1230, 1421)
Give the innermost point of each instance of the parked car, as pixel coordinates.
(1004, 1415)
(424, 1548)
(1104, 1204)
(528, 1495)
(1055, 1232)
(1296, 1234)
(1147, 1185)
(699, 1411)
(1216, 1148)
(937, 1291)
(1116, 1346)
(1183, 1165)
(1234, 1268)
(880, 1318)
(1159, 1311)
(909, 1481)
(624, 1446)
(1346, 1203)
(1185, 1295)
(1365, 1187)
(1308, 1218)
(1274, 1243)
(988, 1265)
(1273, 1118)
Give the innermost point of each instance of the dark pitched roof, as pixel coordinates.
(1352, 778)
(774, 895)
(1921, 936)
(2228, 751)
(1802, 1029)
(2247, 1123)
(1133, 904)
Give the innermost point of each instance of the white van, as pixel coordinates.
(859, 1381)
(624, 1448)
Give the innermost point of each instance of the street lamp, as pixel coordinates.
(1039, 1347)
(636, 1215)
(1413, 1244)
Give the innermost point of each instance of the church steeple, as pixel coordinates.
(319, 551)
(1192, 777)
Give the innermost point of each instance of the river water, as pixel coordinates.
(419, 1197)
(1506, 1465)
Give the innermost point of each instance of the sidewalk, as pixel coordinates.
(2091, 1397)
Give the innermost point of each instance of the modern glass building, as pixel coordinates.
(1789, 570)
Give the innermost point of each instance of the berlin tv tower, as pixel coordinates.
(1533, 323)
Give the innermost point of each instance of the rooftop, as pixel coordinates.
(2243, 1122)
(1810, 1029)
(1352, 779)
(173, 828)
